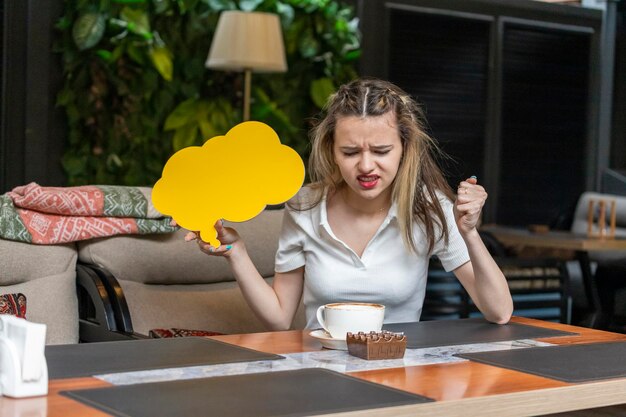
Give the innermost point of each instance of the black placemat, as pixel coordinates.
(285, 393)
(87, 359)
(570, 363)
(465, 331)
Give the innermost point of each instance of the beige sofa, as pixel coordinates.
(170, 283)
(46, 275)
(152, 281)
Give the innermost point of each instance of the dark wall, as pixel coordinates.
(448, 75)
(618, 133)
(511, 90)
(545, 123)
(31, 128)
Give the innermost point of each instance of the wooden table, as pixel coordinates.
(563, 240)
(553, 239)
(460, 389)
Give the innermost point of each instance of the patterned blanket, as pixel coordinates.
(51, 215)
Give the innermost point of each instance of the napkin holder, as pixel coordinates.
(23, 367)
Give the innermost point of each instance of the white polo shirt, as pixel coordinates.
(387, 273)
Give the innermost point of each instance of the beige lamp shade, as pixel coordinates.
(248, 41)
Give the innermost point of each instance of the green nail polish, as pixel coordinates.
(229, 247)
(474, 176)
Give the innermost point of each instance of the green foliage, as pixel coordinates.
(136, 89)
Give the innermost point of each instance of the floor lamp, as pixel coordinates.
(247, 41)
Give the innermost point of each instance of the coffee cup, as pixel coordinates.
(340, 318)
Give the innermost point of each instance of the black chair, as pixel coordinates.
(445, 296)
(102, 309)
(611, 284)
(539, 287)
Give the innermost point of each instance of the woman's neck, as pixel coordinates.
(362, 206)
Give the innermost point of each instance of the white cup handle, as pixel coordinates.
(320, 317)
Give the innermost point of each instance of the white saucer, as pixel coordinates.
(327, 341)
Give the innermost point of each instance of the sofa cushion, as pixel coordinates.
(52, 301)
(13, 304)
(168, 259)
(46, 275)
(22, 262)
(217, 307)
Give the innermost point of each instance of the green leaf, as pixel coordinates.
(137, 20)
(353, 55)
(135, 54)
(203, 108)
(219, 120)
(353, 25)
(206, 129)
(249, 5)
(260, 111)
(63, 23)
(183, 114)
(219, 5)
(114, 161)
(104, 54)
(308, 45)
(88, 30)
(320, 90)
(162, 59)
(74, 165)
(117, 53)
(161, 6)
(185, 136)
(186, 5)
(286, 13)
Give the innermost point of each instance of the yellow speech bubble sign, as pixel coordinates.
(231, 177)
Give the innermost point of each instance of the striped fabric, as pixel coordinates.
(53, 215)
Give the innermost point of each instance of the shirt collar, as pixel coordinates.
(392, 214)
(323, 212)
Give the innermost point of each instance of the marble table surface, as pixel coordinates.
(336, 360)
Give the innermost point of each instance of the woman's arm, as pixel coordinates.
(485, 283)
(274, 305)
(481, 276)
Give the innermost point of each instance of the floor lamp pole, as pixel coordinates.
(246, 94)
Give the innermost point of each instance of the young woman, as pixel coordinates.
(377, 208)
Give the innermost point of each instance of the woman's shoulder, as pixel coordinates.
(440, 195)
(443, 197)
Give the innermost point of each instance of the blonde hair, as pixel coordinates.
(418, 180)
